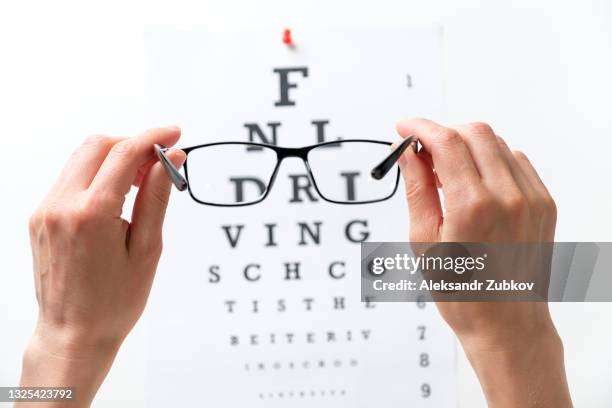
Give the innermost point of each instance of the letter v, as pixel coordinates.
(233, 240)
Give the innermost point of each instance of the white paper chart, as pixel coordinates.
(260, 306)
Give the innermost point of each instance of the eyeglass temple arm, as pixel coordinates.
(387, 164)
(177, 178)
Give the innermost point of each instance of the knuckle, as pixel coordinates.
(520, 155)
(448, 137)
(96, 140)
(413, 190)
(156, 247)
(477, 203)
(515, 204)
(81, 215)
(501, 141)
(160, 196)
(550, 207)
(51, 218)
(476, 208)
(151, 248)
(91, 203)
(481, 129)
(124, 148)
(84, 212)
(35, 221)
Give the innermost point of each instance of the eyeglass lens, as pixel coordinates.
(231, 174)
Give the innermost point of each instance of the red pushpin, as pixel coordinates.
(287, 40)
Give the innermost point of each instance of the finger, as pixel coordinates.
(423, 154)
(536, 195)
(488, 157)
(120, 167)
(517, 173)
(422, 195)
(143, 170)
(84, 163)
(530, 173)
(544, 203)
(150, 206)
(452, 159)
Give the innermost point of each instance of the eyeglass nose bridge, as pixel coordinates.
(297, 152)
(284, 152)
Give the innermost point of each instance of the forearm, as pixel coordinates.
(55, 361)
(526, 371)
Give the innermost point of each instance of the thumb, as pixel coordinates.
(150, 206)
(422, 196)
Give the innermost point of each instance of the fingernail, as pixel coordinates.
(179, 155)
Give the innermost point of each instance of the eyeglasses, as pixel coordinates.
(231, 174)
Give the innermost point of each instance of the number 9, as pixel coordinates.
(425, 390)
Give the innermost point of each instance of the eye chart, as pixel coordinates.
(260, 306)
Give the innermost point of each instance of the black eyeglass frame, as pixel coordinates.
(378, 172)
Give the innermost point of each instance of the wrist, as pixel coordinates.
(72, 344)
(60, 358)
(525, 369)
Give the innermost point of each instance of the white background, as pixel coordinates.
(539, 72)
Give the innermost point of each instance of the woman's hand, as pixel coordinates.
(93, 270)
(491, 194)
